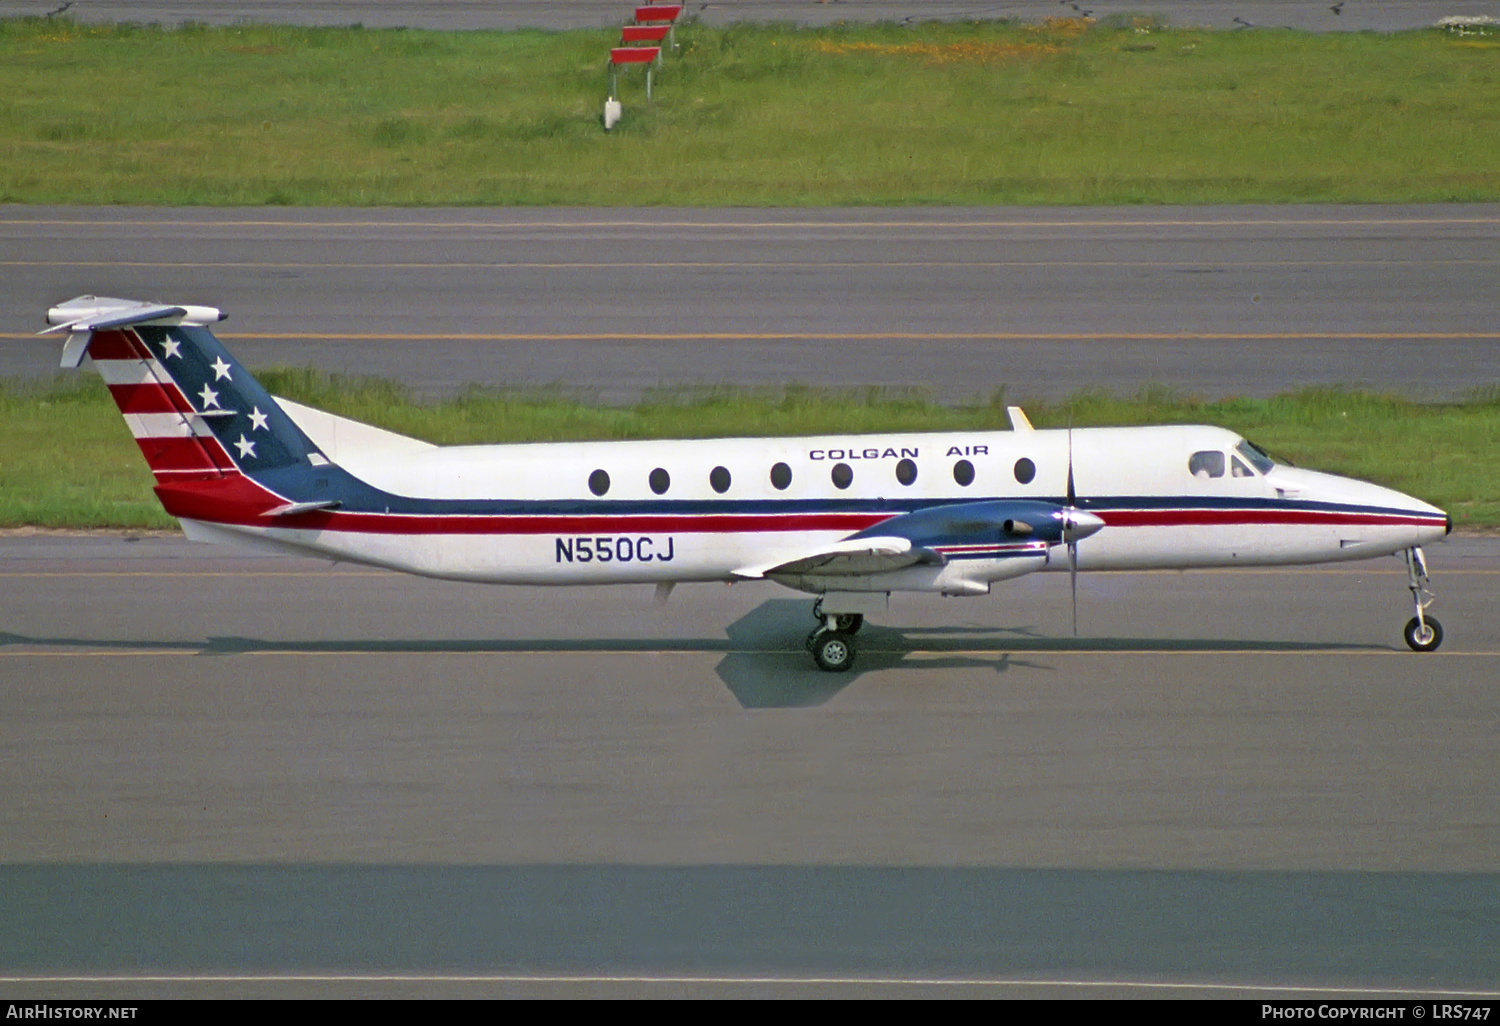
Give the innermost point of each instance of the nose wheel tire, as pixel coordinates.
(1423, 637)
(833, 651)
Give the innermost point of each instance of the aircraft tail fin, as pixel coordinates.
(194, 410)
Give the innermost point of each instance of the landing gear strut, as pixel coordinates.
(1423, 633)
(849, 623)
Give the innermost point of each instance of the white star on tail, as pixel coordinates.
(171, 347)
(245, 446)
(258, 420)
(221, 369)
(209, 397)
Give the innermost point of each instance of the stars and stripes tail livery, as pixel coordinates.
(849, 519)
(212, 436)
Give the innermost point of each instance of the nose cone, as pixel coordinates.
(1396, 519)
(1079, 524)
(1422, 521)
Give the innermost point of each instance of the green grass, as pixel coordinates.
(67, 459)
(768, 115)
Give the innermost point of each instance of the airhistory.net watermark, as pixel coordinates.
(52, 1010)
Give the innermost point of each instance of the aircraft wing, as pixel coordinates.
(851, 557)
(924, 536)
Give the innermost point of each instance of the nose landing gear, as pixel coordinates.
(1423, 633)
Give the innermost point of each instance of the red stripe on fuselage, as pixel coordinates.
(235, 499)
(716, 523)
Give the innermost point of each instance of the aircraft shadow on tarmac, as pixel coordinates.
(761, 673)
(765, 664)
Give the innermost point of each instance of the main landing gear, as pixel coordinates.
(1423, 633)
(832, 644)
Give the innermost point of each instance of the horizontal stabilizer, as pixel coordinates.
(101, 313)
(138, 315)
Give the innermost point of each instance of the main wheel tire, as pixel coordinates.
(1420, 641)
(849, 623)
(834, 651)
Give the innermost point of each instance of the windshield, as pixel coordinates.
(1256, 456)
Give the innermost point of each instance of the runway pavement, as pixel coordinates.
(961, 302)
(226, 774)
(1316, 15)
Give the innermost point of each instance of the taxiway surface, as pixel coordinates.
(231, 774)
(961, 302)
(1315, 15)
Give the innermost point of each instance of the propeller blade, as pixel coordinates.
(1072, 495)
(1070, 528)
(1073, 581)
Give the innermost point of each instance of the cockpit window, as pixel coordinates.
(1256, 456)
(1208, 463)
(1238, 468)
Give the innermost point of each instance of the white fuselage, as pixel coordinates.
(705, 510)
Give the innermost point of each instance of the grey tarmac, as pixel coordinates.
(227, 774)
(1240, 15)
(959, 302)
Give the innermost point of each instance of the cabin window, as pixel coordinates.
(1025, 470)
(906, 472)
(963, 472)
(781, 477)
(1208, 463)
(843, 475)
(598, 482)
(1238, 468)
(718, 479)
(659, 480)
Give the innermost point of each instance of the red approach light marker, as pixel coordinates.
(644, 33)
(633, 54)
(658, 12)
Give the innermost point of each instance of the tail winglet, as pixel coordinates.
(83, 315)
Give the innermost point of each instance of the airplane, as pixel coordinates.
(848, 519)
